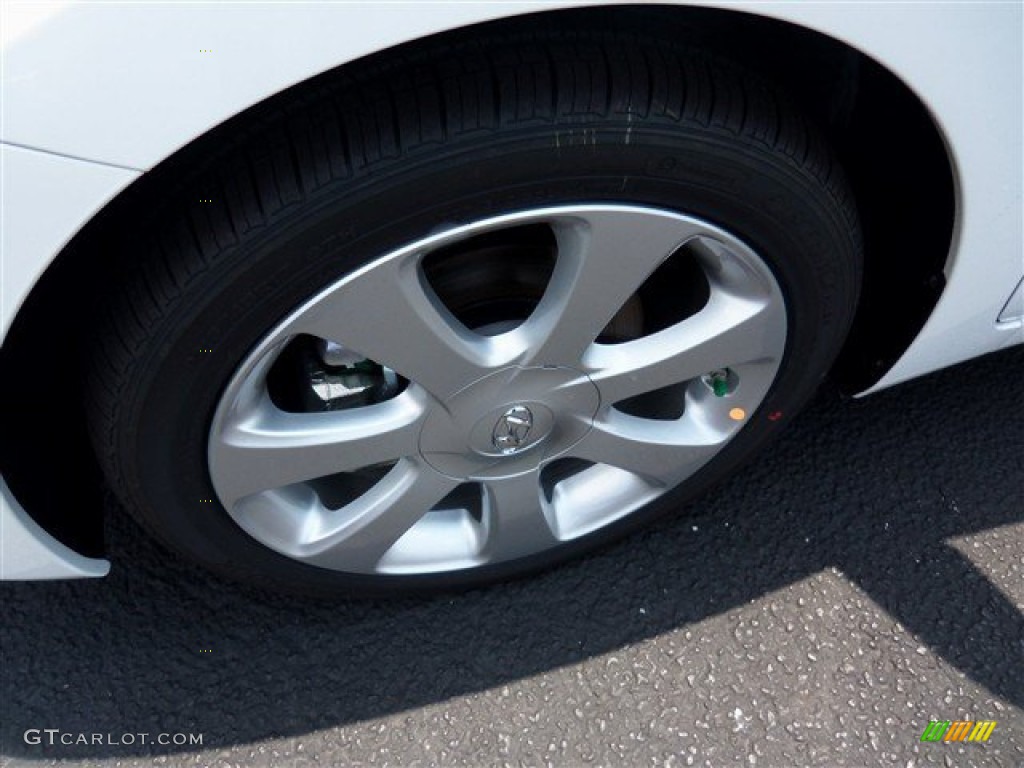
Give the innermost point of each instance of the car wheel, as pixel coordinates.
(438, 322)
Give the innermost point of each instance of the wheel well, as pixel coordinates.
(887, 142)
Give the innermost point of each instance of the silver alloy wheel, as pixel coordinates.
(495, 411)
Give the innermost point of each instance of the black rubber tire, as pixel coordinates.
(333, 174)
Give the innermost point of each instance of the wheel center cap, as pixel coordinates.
(513, 429)
(509, 422)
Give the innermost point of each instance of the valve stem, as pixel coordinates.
(718, 381)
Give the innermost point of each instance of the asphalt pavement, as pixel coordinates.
(863, 577)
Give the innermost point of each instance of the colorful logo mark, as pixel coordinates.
(958, 730)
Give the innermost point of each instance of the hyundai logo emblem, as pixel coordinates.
(512, 429)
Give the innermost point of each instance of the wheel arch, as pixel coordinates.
(874, 121)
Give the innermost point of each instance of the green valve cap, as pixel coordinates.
(717, 381)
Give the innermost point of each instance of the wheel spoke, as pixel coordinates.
(269, 448)
(604, 256)
(356, 536)
(662, 452)
(517, 517)
(390, 315)
(730, 330)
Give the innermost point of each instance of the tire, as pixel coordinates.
(557, 134)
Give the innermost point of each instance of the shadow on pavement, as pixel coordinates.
(875, 488)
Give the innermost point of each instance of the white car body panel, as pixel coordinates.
(94, 94)
(28, 553)
(44, 200)
(35, 223)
